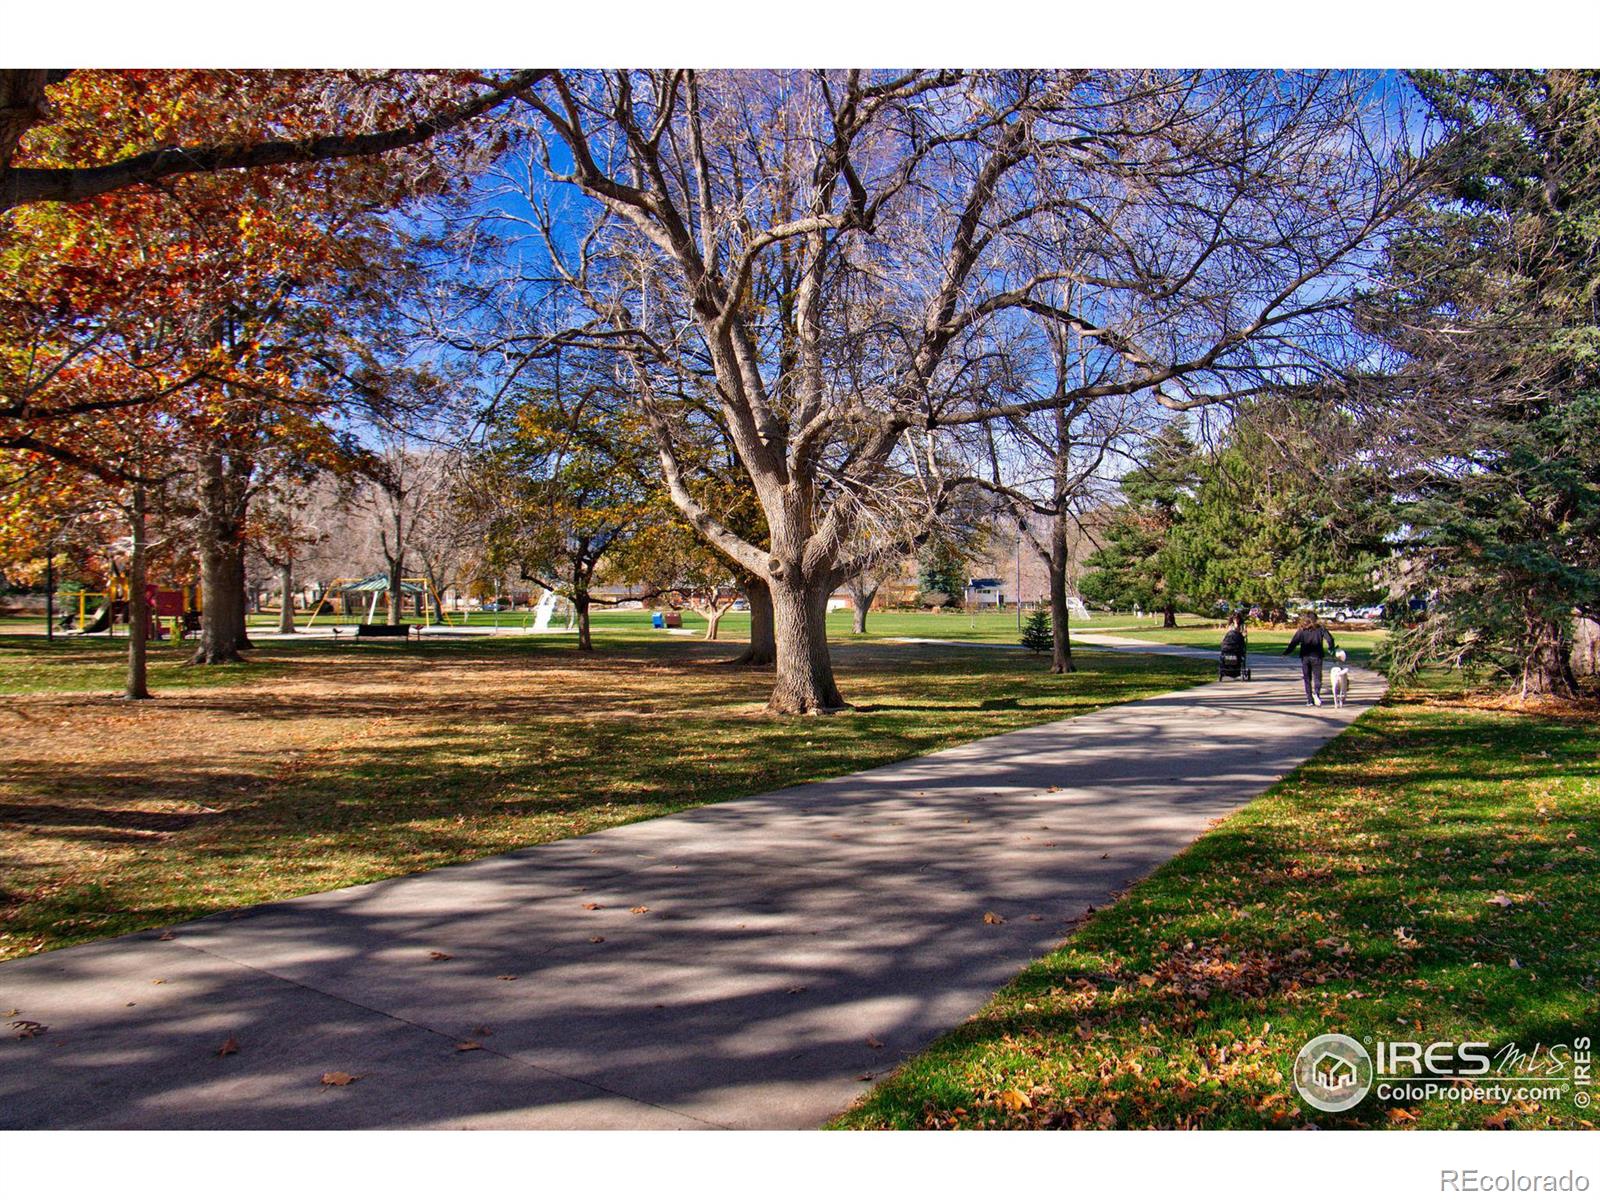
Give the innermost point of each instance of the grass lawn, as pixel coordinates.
(324, 764)
(100, 664)
(1431, 875)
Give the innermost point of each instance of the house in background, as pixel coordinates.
(986, 592)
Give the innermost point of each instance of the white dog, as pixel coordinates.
(1340, 678)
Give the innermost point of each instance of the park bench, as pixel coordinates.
(381, 631)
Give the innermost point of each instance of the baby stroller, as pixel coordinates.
(1231, 662)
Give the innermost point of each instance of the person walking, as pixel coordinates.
(1311, 639)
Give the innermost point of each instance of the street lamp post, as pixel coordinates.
(1018, 559)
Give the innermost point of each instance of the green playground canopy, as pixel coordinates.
(379, 583)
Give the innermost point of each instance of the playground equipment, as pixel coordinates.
(542, 613)
(181, 604)
(368, 593)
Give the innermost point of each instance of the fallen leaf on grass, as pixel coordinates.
(505, 977)
(990, 918)
(1014, 1100)
(1500, 899)
(463, 1047)
(595, 941)
(1401, 1116)
(28, 1029)
(483, 1031)
(166, 937)
(874, 1042)
(439, 956)
(338, 1078)
(795, 991)
(228, 1047)
(591, 906)
(15, 1012)
(1147, 981)
(639, 908)
(1035, 917)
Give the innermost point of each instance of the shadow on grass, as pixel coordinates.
(1428, 876)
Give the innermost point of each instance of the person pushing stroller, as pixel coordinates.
(1311, 639)
(1231, 661)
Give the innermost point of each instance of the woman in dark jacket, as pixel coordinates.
(1310, 639)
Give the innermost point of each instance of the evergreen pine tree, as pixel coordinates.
(1134, 565)
(1283, 511)
(1494, 419)
(943, 572)
(1036, 635)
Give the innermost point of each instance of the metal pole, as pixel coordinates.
(50, 594)
(1019, 576)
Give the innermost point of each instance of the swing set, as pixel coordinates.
(372, 590)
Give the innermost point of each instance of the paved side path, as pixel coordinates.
(751, 964)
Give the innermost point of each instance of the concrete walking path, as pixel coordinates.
(749, 964)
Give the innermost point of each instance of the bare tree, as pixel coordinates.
(410, 483)
(1057, 463)
(824, 264)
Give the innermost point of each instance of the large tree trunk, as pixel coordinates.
(242, 640)
(138, 606)
(1586, 648)
(713, 617)
(1547, 663)
(805, 681)
(221, 598)
(1060, 639)
(861, 601)
(763, 648)
(286, 589)
(397, 609)
(1169, 617)
(580, 602)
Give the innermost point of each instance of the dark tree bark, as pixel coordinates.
(242, 589)
(221, 597)
(1169, 617)
(286, 587)
(804, 683)
(397, 601)
(1547, 668)
(580, 603)
(138, 605)
(1060, 616)
(763, 648)
(861, 598)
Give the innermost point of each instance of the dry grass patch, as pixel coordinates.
(334, 765)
